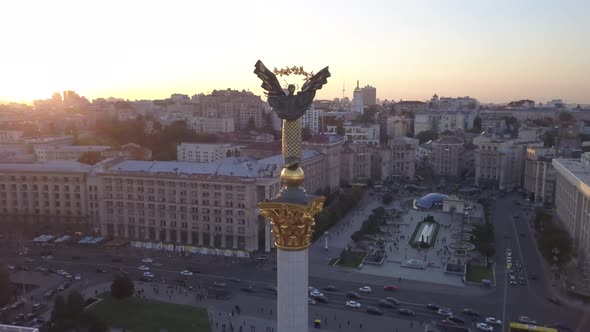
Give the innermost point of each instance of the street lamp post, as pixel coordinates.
(326, 233)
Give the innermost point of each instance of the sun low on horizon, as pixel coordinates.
(495, 52)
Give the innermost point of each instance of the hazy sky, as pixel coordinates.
(492, 50)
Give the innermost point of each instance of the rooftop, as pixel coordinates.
(78, 148)
(52, 166)
(576, 168)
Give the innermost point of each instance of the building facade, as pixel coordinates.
(11, 136)
(359, 133)
(572, 200)
(397, 159)
(369, 95)
(446, 156)
(208, 125)
(539, 174)
(355, 163)
(66, 153)
(206, 152)
(240, 106)
(357, 100)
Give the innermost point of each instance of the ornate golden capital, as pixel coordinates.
(292, 224)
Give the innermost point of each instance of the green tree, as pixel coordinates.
(306, 133)
(122, 287)
(251, 125)
(387, 198)
(340, 130)
(477, 123)
(90, 158)
(75, 306)
(549, 139)
(59, 314)
(426, 136)
(5, 290)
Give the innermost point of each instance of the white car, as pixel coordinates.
(353, 304)
(365, 289)
(60, 272)
(312, 289)
(493, 321)
(148, 275)
(484, 327)
(143, 268)
(316, 293)
(186, 273)
(78, 276)
(147, 260)
(444, 312)
(311, 301)
(526, 320)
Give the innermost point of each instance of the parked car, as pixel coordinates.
(526, 320)
(316, 293)
(321, 299)
(143, 268)
(389, 288)
(311, 301)
(471, 312)
(456, 319)
(484, 327)
(445, 312)
(330, 288)
(186, 273)
(433, 307)
(219, 284)
(493, 321)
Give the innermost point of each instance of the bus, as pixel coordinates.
(519, 327)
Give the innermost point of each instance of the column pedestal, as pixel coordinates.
(292, 281)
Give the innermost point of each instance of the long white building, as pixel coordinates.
(572, 200)
(206, 152)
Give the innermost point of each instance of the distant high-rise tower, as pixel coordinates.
(357, 99)
(369, 95)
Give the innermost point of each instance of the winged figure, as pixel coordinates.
(288, 105)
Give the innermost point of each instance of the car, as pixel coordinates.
(493, 321)
(352, 304)
(471, 312)
(219, 284)
(147, 260)
(374, 311)
(321, 299)
(526, 320)
(406, 312)
(101, 270)
(186, 273)
(316, 293)
(365, 289)
(508, 251)
(484, 327)
(389, 288)
(61, 272)
(311, 301)
(353, 295)
(393, 300)
(554, 300)
(143, 268)
(311, 289)
(77, 276)
(148, 275)
(38, 307)
(195, 270)
(385, 304)
(17, 305)
(456, 319)
(445, 312)
(20, 317)
(330, 288)
(433, 307)
(513, 281)
(508, 254)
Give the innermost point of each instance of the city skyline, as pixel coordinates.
(495, 52)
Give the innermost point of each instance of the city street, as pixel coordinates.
(505, 302)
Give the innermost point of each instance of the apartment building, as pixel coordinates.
(240, 106)
(210, 125)
(206, 152)
(395, 159)
(539, 174)
(572, 200)
(355, 163)
(442, 121)
(51, 196)
(331, 147)
(67, 152)
(446, 155)
(11, 136)
(500, 162)
(359, 133)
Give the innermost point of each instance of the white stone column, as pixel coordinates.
(292, 307)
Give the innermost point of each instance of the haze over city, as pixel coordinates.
(496, 51)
